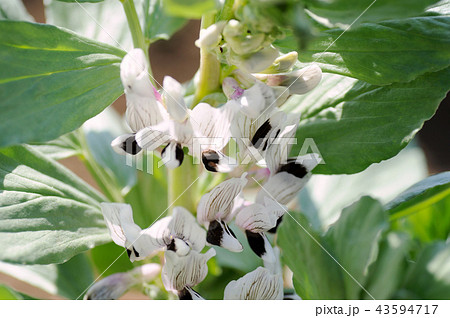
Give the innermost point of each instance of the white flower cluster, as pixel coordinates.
(262, 131)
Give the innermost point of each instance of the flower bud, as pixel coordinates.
(211, 36)
(283, 63)
(256, 62)
(114, 286)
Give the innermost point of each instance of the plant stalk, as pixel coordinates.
(136, 32)
(209, 72)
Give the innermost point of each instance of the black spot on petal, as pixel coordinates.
(215, 233)
(210, 159)
(294, 168)
(261, 133)
(184, 295)
(171, 246)
(131, 146)
(256, 242)
(135, 252)
(179, 154)
(274, 229)
(129, 253)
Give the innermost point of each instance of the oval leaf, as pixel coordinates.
(316, 274)
(68, 280)
(52, 78)
(47, 214)
(370, 123)
(381, 53)
(354, 239)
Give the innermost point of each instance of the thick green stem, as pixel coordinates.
(136, 31)
(182, 186)
(209, 79)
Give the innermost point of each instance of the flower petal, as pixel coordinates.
(212, 125)
(211, 36)
(110, 287)
(143, 112)
(216, 161)
(280, 146)
(259, 284)
(172, 155)
(218, 203)
(189, 294)
(126, 144)
(124, 232)
(298, 82)
(221, 235)
(257, 99)
(261, 246)
(150, 138)
(180, 272)
(307, 79)
(173, 97)
(114, 286)
(289, 179)
(259, 218)
(184, 226)
(134, 74)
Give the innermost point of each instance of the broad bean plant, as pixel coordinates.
(277, 172)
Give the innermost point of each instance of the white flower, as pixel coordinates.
(114, 286)
(215, 210)
(287, 175)
(255, 62)
(180, 272)
(259, 284)
(255, 220)
(144, 107)
(211, 36)
(205, 131)
(179, 233)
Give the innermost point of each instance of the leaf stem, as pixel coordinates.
(136, 31)
(209, 72)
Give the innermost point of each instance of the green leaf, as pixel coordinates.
(99, 132)
(354, 240)
(420, 195)
(68, 280)
(387, 273)
(65, 146)
(316, 274)
(326, 195)
(347, 11)
(7, 293)
(14, 10)
(428, 224)
(80, 19)
(429, 277)
(47, 214)
(381, 53)
(52, 78)
(157, 24)
(189, 9)
(369, 123)
(422, 210)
